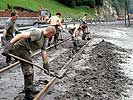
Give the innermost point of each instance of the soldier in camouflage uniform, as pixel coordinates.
(84, 23)
(21, 45)
(75, 34)
(9, 29)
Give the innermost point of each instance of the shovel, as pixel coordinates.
(24, 60)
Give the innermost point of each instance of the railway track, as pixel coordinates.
(61, 69)
(3, 69)
(53, 79)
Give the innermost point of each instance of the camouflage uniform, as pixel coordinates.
(10, 27)
(22, 49)
(74, 41)
(55, 36)
(85, 30)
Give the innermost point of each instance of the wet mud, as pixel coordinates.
(95, 75)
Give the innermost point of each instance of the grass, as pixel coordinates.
(52, 5)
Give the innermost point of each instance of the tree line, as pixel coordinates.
(117, 4)
(91, 3)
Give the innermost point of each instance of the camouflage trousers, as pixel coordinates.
(5, 41)
(27, 69)
(55, 36)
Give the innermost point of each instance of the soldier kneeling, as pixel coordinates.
(75, 34)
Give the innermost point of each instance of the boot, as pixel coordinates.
(55, 43)
(55, 46)
(75, 48)
(48, 44)
(8, 60)
(83, 36)
(75, 44)
(34, 91)
(29, 95)
(88, 39)
(46, 66)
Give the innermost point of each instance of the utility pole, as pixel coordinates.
(127, 17)
(128, 4)
(125, 12)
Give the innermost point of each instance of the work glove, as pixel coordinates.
(46, 66)
(7, 48)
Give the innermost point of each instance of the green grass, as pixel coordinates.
(52, 5)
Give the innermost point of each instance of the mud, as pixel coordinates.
(95, 75)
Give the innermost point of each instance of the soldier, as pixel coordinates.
(85, 31)
(56, 22)
(9, 30)
(84, 23)
(75, 33)
(21, 45)
(85, 18)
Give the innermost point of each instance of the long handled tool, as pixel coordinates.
(19, 58)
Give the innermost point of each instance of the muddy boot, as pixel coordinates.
(48, 44)
(83, 36)
(34, 91)
(55, 45)
(6, 64)
(46, 66)
(76, 48)
(8, 60)
(49, 41)
(75, 45)
(88, 38)
(61, 39)
(29, 95)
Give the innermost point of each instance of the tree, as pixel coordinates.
(69, 3)
(91, 3)
(118, 5)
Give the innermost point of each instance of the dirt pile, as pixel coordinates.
(102, 78)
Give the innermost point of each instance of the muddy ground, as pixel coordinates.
(103, 71)
(97, 74)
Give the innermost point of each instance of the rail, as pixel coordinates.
(34, 54)
(68, 21)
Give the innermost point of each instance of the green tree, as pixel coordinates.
(118, 5)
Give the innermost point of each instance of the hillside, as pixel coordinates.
(52, 5)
